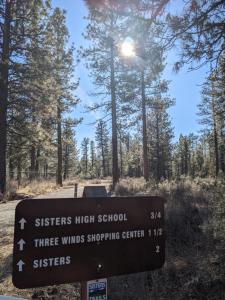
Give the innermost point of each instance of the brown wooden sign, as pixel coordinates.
(65, 240)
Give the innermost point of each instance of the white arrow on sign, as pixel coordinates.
(21, 243)
(20, 265)
(22, 222)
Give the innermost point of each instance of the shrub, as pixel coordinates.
(130, 186)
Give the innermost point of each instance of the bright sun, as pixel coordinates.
(127, 48)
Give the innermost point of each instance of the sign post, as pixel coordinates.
(62, 240)
(75, 190)
(90, 289)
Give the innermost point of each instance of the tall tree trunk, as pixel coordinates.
(115, 169)
(222, 150)
(86, 164)
(37, 163)
(32, 162)
(121, 158)
(216, 148)
(128, 142)
(46, 170)
(4, 74)
(33, 153)
(92, 159)
(11, 164)
(144, 129)
(108, 165)
(19, 171)
(59, 146)
(157, 146)
(186, 157)
(215, 136)
(102, 149)
(66, 162)
(103, 161)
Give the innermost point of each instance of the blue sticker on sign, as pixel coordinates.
(97, 290)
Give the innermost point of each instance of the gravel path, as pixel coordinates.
(65, 192)
(7, 216)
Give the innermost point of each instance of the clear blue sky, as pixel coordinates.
(184, 87)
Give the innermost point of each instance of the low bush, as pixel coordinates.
(195, 239)
(130, 186)
(195, 252)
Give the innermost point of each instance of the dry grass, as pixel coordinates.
(130, 186)
(96, 181)
(29, 189)
(83, 182)
(195, 252)
(192, 220)
(72, 181)
(37, 187)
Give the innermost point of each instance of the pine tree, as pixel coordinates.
(39, 80)
(191, 157)
(128, 81)
(4, 78)
(94, 166)
(70, 154)
(208, 111)
(199, 25)
(85, 155)
(104, 31)
(141, 72)
(183, 156)
(17, 20)
(219, 94)
(62, 67)
(102, 139)
(133, 157)
(160, 134)
(35, 89)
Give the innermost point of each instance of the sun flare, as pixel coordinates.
(127, 48)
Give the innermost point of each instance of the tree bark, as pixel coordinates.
(102, 149)
(19, 171)
(215, 132)
(4, 74)
(215, 135)
(186, 157)
(59, 147)
(115, 169)
(66, 162)
(157, 146)
(32, 162)
(121, 158)
(144, 129)
(46, 170)
(11, 164)
(37, 163)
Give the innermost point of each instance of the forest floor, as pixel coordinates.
(7, 213)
